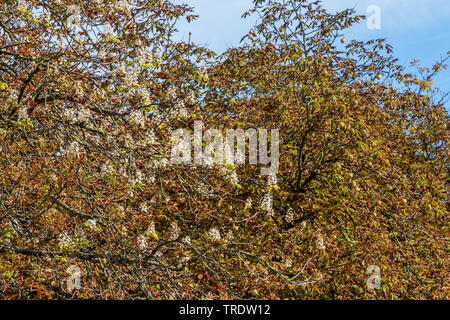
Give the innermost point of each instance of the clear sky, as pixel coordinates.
(417, 29)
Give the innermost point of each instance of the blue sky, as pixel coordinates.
(417, 29)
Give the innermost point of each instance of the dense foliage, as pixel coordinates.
(88, 102)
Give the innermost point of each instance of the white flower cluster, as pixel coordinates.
(228, 154)
(23, 114)
(151, 228)
(267, 202)
(64, 240)
(70, 114)
(121, 70)
(171, 94)
(146, 101)
(107, 169)
(158, 116)
(230, 173)
(128, 75)
(230, 235)
(248, 203)
(101, 54)
(13, 95)
(143, 207)
(123, 6)
(128, 141)
(144, 56)
(46, 16)
(95, 139)
(131, 77)
(108, 31)
(203, 71)
(175, 233)
(79, 91)
(22, 5)
(138, 178)
(74, 149)
(151, 178)
(162, 162)
(150, 137)
(190, 98)
(214, 234)
(138, 118)
(320, 243)
(187, 240)
(91, 224)
(180, 109)
(234, 177)
(272, 180)
(204, 189)
(142, 242)
(82, 115)
(288, 263)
